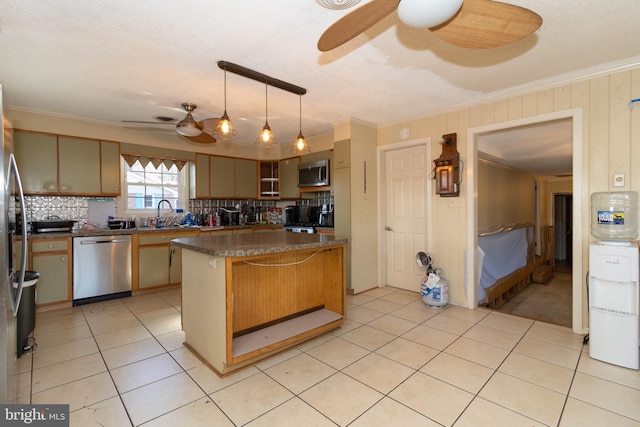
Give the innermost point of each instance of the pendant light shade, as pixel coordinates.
(225, 129)
(188, 126)
(266, 137)
(300, 145)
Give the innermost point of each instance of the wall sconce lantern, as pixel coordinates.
(447, 168)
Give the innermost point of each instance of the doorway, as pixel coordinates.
(550, 299)
(472, 222)
(562, 232)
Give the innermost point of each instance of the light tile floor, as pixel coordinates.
(394, 362)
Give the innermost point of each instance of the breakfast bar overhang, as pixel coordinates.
(248, 296)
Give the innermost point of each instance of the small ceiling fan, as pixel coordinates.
(188, 128)
(473, 24)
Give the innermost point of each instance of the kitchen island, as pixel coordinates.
(248, 296)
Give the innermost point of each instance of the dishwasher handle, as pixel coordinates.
(95, 242)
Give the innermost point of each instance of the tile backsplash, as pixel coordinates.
(39, 208)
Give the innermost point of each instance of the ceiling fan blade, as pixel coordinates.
(150, 123)
(355, 23)
(203, 138)
(209, 125)
(482, 24)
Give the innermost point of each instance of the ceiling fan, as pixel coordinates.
(188, 128)
(473, 24)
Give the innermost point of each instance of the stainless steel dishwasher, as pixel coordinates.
(101, 268)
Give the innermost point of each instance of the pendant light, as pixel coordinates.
(188, 126)
(300, 144)
(266, 137)
(225, 129)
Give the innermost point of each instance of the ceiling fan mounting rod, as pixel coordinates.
(263, 78)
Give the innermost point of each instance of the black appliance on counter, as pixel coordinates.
(304, 219)
(229, 216)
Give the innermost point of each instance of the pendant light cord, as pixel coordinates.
(225, 90)
(266, 103)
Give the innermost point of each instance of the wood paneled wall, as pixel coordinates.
(610, 144)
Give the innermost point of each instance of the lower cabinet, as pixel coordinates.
(158, 263)
(153, 266)
(52, 259)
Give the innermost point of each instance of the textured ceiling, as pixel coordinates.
(133, 60)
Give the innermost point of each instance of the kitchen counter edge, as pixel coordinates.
(242, 245)
(145, 230)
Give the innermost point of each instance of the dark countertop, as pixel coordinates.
(142, 230)
(237, 245)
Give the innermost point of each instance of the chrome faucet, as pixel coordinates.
(158, 225)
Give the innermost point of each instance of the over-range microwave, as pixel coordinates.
(314, 174)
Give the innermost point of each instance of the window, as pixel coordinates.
(145, 186)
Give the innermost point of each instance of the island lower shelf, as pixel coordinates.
(238, 310)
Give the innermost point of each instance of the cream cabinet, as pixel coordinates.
(52, 259)
(109, 168)
(288, 170)
(199, 177)
(156, 263)
(232, 178)
(153, 262)
(51, 164)
(78, 166)
(37, 158)
(355, 198)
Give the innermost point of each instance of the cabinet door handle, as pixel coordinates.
(388, 228)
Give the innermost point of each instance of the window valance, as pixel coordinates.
(131, 159)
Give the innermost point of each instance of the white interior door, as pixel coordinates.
(406, 186)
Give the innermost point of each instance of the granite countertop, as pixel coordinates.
(142, 230)
(237, 245)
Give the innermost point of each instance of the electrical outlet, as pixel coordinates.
(618, 180)
(452, 201)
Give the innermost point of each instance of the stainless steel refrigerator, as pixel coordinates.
(12, 264)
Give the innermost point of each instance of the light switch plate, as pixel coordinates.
(618, 180)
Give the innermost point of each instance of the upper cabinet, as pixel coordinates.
(37, 159)
(51, 164)
(78, 166)
(288, 170)
(246, 174)
(232, 178)
(199, 177)
(110, 168)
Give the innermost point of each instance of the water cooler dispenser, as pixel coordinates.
(614, 266)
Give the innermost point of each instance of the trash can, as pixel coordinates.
(26, 317)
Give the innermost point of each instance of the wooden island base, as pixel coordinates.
(237, 310)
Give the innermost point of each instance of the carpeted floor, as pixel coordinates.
(550, 302)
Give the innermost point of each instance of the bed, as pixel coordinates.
(506, 259)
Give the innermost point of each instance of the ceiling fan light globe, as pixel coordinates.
(188, 126)
(188, 129)
(427, 13)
